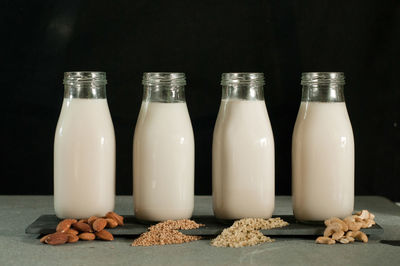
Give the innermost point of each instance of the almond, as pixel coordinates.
(92, 219)
(82, 227)
(87, 236)
(43, 239)
(99, 224)
(65, 224)
(111, 223)
(72, 231)
(72, 238)
(55, 239)
(118, 218)
(104, 235)
(83, 221)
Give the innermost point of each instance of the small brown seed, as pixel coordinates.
(82, 227)
(116, 217)
(99, 224)
(83, 221)
(72, 238)
(104, 235)
(111, 223)
(64, 225)
(56, 239)
(87, 236)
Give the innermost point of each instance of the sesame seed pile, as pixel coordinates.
(245, 232)
(166, 233)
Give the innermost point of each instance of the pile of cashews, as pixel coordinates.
(347, 230)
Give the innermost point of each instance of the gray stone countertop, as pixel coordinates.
(18, 248)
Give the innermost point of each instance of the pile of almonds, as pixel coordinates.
(72, 230)
(347, 230)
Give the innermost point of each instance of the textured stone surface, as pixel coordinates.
(18, 248)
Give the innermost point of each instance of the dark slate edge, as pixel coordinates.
(37, 226)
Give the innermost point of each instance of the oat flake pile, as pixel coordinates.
(166, 233)
(245, 232)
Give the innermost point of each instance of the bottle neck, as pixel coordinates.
(85, 85)
(242, 86)
(84, 91)
(331, 92)
(248, 92)
(164, 93)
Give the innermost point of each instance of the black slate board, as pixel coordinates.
(46, 224)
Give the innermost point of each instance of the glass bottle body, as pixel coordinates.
(322, 151)
(163, 151)
(84, 149)
(243, 175)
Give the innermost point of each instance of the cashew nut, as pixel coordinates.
(335, 230)
(368, 223)
(337, 220)
(325, 240)
(346, 239)
(358, 235)
(352, 223)
(365, 218)
(364, 214)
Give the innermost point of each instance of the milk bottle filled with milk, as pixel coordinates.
(243, 150)
(322, 150)
(163, 151)
(84, 149)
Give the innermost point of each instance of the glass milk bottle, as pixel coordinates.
(322, 150)
(243, 150)
(84, 149)
(163, 151)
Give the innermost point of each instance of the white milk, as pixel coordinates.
(243, 161)
(163, 162)
(322, 162)
(84, 159)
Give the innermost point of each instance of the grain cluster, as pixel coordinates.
(245, 232)
(166, 233)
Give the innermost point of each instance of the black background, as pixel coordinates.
(42, 39)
